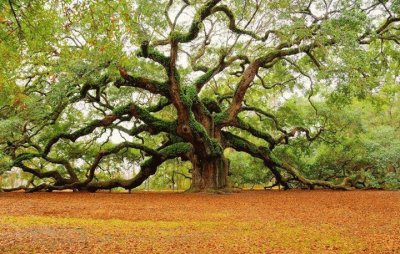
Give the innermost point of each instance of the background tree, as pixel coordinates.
(91, 84)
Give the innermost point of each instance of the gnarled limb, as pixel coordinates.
(312, 183)
(148, 168)
(263, 153)
(273, 163)
(152, 86)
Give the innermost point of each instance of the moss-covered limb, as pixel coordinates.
(152, 125)
(211, 105)
(62, 183)
(58, 110)
(211, 72)
(133, 131)
(241, 89)
(27, 188)
(161, 104)
(197, 127)
(196, 24)
(173, 84)
(67, 165)
(157, 124)
(25, 156)
(202, 68)
(232, 23)
(94, 85)
(54, 174)
(175, 150)
(221, 119)
(206, 10)
(284, 138)
(113, 150)
(292, 49)
(266, 114)
(131, 109)
(150, 85)
(253, 131)
(148, 168)
(224, 97)
(106, 121)
(90, 127)
(265, 61)
(19, 159)
(263, 153)
(241, 144)
(312, 183)
(377, 34)
(147, 51)
(206, 145)
(188, 96)
(206, 77)
(24, 188)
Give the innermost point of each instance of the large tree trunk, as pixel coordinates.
(209, 174)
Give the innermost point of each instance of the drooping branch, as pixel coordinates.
(273, 163)
(363, 39)
(131, 109)
(115, 150)
(148, 168)
(295, 130)
(284, 138)
(311, 183)
(253, 131)
(54, 174)
(152, 86)
(263, 153)
(266, 114)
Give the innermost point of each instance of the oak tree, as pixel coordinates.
(87, 87)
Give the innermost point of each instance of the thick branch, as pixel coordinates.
(263, 153)
(196, 25)
(148, 168)
(152, 86)
(272, 162)
(253, 131)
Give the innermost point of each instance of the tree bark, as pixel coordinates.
(209, 174)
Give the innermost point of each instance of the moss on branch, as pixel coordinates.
(188, 96)
(221, 117)
(176, 149)
(196, 25)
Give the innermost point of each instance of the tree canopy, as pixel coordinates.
(99, 94)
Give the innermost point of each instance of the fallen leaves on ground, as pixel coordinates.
(246, 222)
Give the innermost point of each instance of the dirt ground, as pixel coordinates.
(246, 222)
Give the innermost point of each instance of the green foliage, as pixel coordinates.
(247, 171)
(62, 62)
(359, 141)
(170, 176)
(6, 163)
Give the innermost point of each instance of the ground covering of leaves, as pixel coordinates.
(246, 222)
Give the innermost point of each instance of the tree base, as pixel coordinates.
(226, 190)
